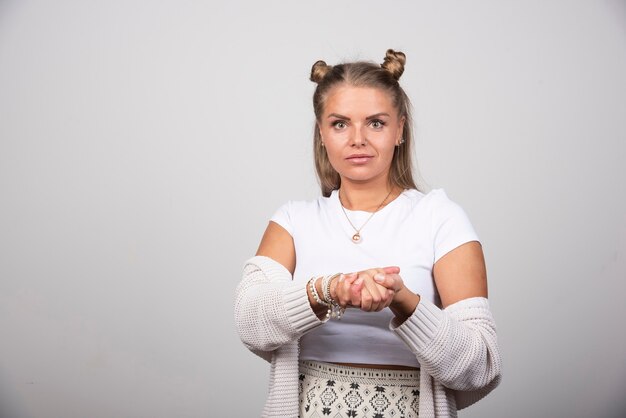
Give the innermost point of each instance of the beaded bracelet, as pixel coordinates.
(316, 295)
(336, 311)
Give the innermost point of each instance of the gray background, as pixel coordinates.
(144, 145)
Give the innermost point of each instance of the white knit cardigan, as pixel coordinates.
(456, 347)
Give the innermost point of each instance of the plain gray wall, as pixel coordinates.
(144, 145)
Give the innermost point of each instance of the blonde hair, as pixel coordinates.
(364, 74)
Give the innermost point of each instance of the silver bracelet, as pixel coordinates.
(335, 311)
(326, 282)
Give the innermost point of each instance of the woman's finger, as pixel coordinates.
(389, 281)
(377, 298)
(356, 292)
(366, 300)
(341, 292)
(391, 270)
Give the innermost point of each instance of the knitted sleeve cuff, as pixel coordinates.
(421, 327)
(298, 308)
(294, 295)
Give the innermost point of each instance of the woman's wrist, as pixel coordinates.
(318, 308)
(321, 298)
(404, 304)
(332, 287)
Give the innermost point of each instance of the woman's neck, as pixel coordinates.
(367, 197)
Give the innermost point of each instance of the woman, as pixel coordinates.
(314, 299)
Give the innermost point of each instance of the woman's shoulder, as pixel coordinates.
(307, 205)
(293, 210)
(298, 212)
(426, 200)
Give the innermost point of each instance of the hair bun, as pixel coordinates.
(394, 63)
(319, 71)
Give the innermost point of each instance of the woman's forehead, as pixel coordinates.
(366, 100)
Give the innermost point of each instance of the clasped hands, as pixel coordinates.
(370, 290)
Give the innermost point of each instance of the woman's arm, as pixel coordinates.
(456, 345)
(278, 245)
(460, 274)
(270, 309)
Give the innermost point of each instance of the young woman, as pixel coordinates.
(372, 299)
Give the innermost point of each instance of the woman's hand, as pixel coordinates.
(361, 290)
(374, 297)
(404, 301)
(346, 290)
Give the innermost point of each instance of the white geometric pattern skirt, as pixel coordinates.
(329, 390)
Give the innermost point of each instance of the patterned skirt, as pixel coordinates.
(340, 391)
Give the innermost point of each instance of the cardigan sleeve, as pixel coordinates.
(457, 346)
(270, 309)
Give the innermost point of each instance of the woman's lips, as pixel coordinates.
(359, 159)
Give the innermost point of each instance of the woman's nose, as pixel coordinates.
(358, 138)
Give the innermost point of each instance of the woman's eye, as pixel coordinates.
(377, 124)
(339, 124)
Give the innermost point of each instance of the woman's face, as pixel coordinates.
(360, 129)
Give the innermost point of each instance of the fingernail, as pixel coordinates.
(379, 277)
(358, 281)
(341, 277)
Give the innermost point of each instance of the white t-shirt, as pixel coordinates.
(411, 232)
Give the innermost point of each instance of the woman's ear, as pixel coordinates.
(400, 139)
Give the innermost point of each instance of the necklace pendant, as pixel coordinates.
(356, 238)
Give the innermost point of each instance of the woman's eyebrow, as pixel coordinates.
(337, 115)
(377, 115)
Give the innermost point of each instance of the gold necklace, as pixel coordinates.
(356, 238)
